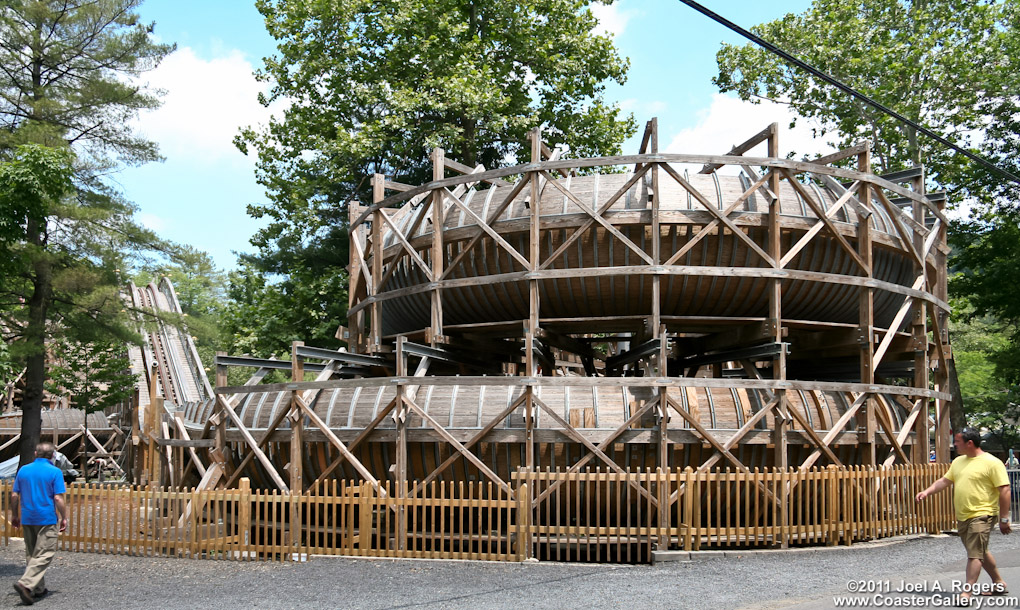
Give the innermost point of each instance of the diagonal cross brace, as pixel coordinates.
(471, 457)
(250, 441)
(577, 436)
(704, 232)
(705, 203)
(474, 439)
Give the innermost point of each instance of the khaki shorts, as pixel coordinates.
(975, 533)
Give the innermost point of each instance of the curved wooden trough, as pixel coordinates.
(652, 310)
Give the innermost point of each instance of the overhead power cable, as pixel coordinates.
(768, 46)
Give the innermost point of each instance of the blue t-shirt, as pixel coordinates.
(37, 483)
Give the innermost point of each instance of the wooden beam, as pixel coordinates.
(250, 441)
(739, 149)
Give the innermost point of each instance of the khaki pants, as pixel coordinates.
(40, 547)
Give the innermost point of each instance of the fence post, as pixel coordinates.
(688, 503)
(784, 508)
(833, 505)
(365, 518)
(523, 523)
(244, 516)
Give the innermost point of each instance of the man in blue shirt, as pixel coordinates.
(36, 503)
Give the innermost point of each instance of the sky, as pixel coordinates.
(199, 195)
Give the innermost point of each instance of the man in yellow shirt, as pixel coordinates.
(980, 495)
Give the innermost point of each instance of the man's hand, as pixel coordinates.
(16, 521)
(63, 524)
(921, 496)
(1004, 527)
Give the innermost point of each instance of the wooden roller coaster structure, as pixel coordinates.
(628, 312)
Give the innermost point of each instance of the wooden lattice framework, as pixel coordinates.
(456, 298)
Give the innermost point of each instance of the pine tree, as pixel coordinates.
(68, 90)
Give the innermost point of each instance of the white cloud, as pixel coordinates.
(612, 20)
(206, 101)
(729, 121)
(644, 109)
(151, 221)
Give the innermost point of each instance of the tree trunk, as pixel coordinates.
(35, 368)
(957, 415)
(468, 152)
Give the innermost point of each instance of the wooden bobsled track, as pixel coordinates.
(723, 316)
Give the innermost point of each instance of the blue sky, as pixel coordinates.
(199, 195)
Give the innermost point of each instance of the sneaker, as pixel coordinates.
(26, 595)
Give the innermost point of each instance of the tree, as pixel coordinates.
(372, 87)
(68, 82)
(945, 64)
(980, 343)
(986, 265)
(94, 376)
(263, 317)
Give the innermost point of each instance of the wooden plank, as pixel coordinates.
(705, 203)
(745, 146)
(250, 441)
(343, 449)
(605, 382)
(555, 166)
(821, 215)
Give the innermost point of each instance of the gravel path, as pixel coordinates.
(804, 579)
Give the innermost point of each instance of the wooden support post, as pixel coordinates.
(244, 515)
(149, 427)
(534, 303)
(866, 314)
(438, 247)
(156, 459)
(534, 237)
(400, 415)
(220, 423)
(653, 128)
(942, 422)
(378, 194)
(523, 522)
(774, 325)
(356, 322)
(136, 465)
(297, 420)
(919, 331)
(529, 403)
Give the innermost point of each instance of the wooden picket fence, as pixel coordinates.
(573, 516)
(611, 516)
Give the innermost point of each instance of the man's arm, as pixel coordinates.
(16, 509)
(58, 502)
(1004, 526)
(934, 488)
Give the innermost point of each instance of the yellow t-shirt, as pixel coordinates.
(976, 483)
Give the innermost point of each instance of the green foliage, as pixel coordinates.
(94, 376)
(265, 317)
(68, 84)
(67, 76)
(950, 65)
(992, 402)
(986, 265)
(33, 175)
(373, 87)
(943, 63)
